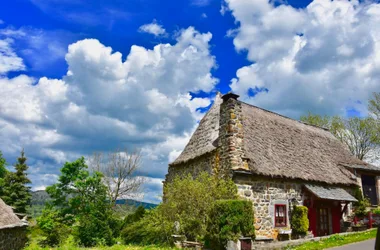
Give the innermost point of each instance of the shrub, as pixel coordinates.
(52, 227)
(360, 207)
(187, 204)
(152, 228)
(299, 220)
(137, 215)
(376, 211)
(229, 220)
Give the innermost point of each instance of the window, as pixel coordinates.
(280, 215)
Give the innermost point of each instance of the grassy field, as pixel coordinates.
(337, 240)
(35, 236)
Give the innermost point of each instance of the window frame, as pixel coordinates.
(285, 217)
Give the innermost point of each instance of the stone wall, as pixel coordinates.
(265, 193)
(13, 238)
(204, 163)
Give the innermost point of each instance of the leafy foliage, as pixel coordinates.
(81, 201)
(16, 193)
(153, 228)
(374, 105)
(360, 135)
(189, 201)
(360, 207)
(3, 172)
(53, 229)
(229, 219)
(135, 216)
(299, 220)
(187, 204)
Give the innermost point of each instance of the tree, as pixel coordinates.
(3, 164)
(374, 105)
(360, 135)
(82, 202)
(16, 193)
(3, 172)
(119, 170)
(185, 210)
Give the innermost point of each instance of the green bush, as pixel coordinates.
(152, 228)
(299, 220)
(187, 204)
(376, 211)
(137, 215)
(229, 220)
(53, 229)
(360, 207)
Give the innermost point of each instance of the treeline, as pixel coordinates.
(361, 135)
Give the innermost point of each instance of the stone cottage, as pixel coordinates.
(12, 229)
(276, 162)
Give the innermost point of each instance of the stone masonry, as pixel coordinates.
(13, 238)
(231, 135)
(265, 194)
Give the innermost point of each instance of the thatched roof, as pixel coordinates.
(278, 146)
(204, 138)
(8, 219)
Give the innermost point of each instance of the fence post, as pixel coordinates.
(369, 219)
(355, 220)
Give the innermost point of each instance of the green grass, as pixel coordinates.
(337, 240)
(35, 236)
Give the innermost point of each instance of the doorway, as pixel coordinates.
(369, 188)
(323, 218)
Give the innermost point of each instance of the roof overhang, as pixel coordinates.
(330, 193)
(366, 168)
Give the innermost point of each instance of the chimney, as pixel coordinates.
(230, 95)
(231, 134)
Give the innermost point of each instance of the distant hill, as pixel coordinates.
(135, 203)
(40, 197)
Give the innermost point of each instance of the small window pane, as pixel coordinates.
(280, 215)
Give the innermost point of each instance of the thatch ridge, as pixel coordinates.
(205, 136)
(8, 219)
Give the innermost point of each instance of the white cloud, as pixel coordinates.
(324, 58)
(153, 28)
(9, 61)
(104, 103)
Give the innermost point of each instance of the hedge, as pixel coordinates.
(229, 220)
(299, 220)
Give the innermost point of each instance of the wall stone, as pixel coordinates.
(205, 163)
(264, 194)
(13, 238)
(231, 136)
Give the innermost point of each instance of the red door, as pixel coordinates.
(323, 224)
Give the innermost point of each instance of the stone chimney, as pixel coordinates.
(231, 134)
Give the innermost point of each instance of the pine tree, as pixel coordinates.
(16, 192)
(3, 172)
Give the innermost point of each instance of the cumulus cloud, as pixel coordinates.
(153, 28)
(324, 58)
(104, 103)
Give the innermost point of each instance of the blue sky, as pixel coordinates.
(83, 76)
